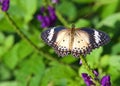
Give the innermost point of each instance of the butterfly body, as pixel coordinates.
(75, 41)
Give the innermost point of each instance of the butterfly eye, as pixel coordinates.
(63, 40)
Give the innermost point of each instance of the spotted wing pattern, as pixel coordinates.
(97, 38)
(81, 44)
(86, 39)
(62, 43)
(58, 38)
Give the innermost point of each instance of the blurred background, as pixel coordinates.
(22, 65)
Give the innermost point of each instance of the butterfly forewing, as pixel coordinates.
(50, 35)
(62, 47)
(58, 38)
(97, 38)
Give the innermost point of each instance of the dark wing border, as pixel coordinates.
(45, 34)
(104, 37)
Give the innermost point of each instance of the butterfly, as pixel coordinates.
(75, 41)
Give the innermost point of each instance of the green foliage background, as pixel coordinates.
(21, 65)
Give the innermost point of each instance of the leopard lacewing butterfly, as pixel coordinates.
(75, 41)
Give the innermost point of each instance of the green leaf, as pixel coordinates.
(9, 41)
(116, 49)
(110, 21)
(30, 9)
(69, 59)
(114, 61)
(23, 11)
(104, 61)
(114, 73)
(56, 74)
(4, 73)
(94, 56)
(109, 8)
(82, 23)
(23, 49)
(10, 59)
(16, 54)
(106, 2)
(2, 38)
(69, 11)
(9, 83)
(5, 25)
(6, 44)
(30, 71)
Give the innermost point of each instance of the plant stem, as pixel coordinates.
(23, 36)
(90, 71)
(63, 21)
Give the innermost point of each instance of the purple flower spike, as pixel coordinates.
(52, 13)
(40, 18)
(95, 72)
(4, 4)
(48, 19)
(105, 81)
(87, 79)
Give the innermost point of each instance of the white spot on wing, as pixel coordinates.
(50, 36)
(97, 36)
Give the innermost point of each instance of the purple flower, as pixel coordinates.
(80, 62)
(105, 81)
(48, 19)
(55, 1)
(96, 72)
(4, 4)
(87, 79)
(52, 13)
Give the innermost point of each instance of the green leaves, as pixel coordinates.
(116, 49)
(82, 23)
(30, 71)
(69, 11)
(23, 11)
(16, 54)
(96, 55)
(6, 43)
(110, 21)
(21, 65)
(58, 74)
